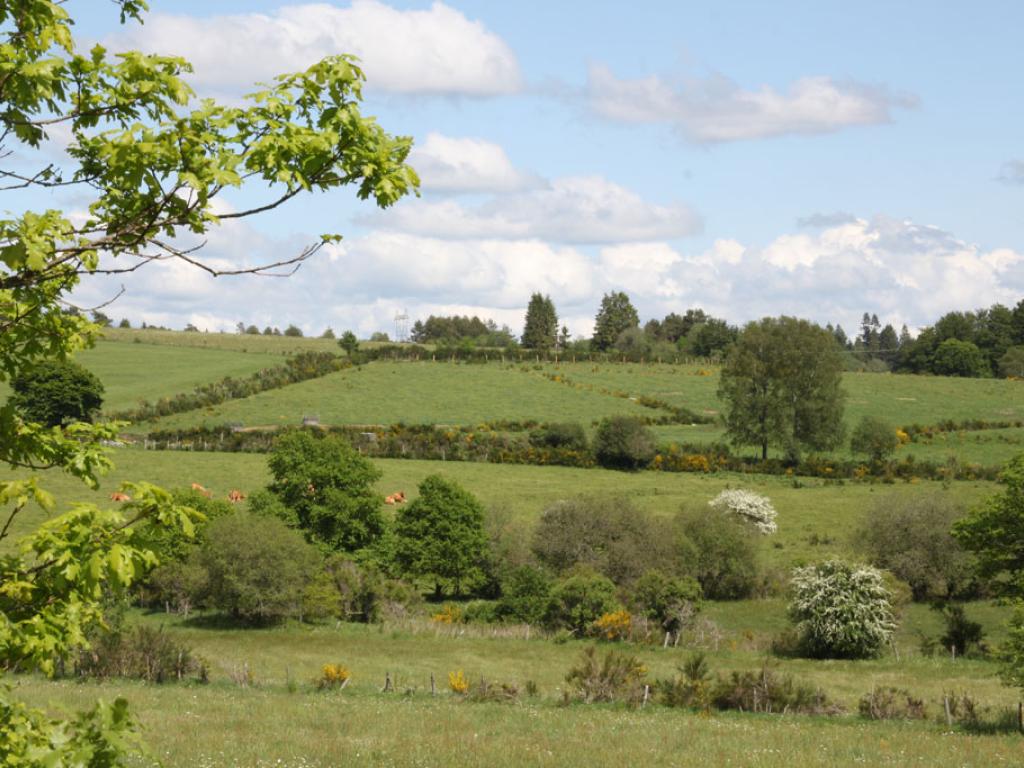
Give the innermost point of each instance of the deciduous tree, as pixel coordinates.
(781, 385)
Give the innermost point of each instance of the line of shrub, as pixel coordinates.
(301, 367)
(920, 433)
(467, 354)
(502, 443)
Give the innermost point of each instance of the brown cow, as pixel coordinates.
(118, 496)
(236, 496)
(199, 489)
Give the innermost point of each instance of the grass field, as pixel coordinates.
(280, 723)
(415, 393)
(816, 520)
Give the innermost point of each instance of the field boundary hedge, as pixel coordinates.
(501, 443)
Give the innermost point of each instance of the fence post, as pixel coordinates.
(433, 688)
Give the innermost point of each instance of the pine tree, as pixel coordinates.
(541, 327)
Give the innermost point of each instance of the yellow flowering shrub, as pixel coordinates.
(458, 682)
(449, 614)
(614, 626)
(333, 676)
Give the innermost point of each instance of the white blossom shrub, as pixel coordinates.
(841, 610)
(749, 507)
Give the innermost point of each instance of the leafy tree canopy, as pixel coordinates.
(616, 314)
(781, 385)
(56, 392)
(146, 161)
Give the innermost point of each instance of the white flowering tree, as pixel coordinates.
(749, 507)
(841, 610)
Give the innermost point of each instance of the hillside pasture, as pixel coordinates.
(413, 393)
(817, 519)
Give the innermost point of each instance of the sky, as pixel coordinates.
(749, 158)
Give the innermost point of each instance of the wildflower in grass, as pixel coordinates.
(749, 506)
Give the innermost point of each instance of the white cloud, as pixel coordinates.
(432, 51)
(716, 109)
(585, 209)
(450, 164)
(903, 271)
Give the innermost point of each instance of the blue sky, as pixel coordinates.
(819, 159)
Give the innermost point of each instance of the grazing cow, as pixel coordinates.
(398, 497)
(118, 496)
(236, 496)
(199, 489)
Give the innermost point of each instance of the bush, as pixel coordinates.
(721, 553)
(616, 677)
(910, 537)
(54, 393)
(959, 358)
(670, 602)
(962, 635)
(623, 442)
(524, 596)
(257, 568)
(579, 601)
(874, 438)
(143, 653)
(333, 676)
(568, 435)
(891, 704)
(749, 507)
(841, 610)
(769, 692)
(691, 688)
(606, 534)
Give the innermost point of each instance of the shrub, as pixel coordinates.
(457, 682)
(333, 676)
(691, 688)
(353, 591)
(140, 652)
(670, 602)
(579, 601)
(962, 635)
(623, 442)
(568, 435)
(524, 596)
(485, 691)
(875, 438)
(769, 692)
(959, 358)
(616, 625)
(257, 567)
(606, 534)
(616, 677)
(53, 393)
(841, 610)
(749, 507)
(910, 537)
(891, 704)
(721, 553)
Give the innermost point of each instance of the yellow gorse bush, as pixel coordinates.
(457, 682)
(333, 676)
(614, 626)
(449, 614)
